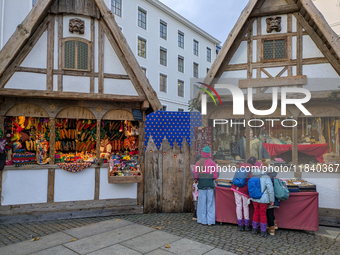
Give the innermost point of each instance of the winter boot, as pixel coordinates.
(240, 225)
(246, 225)
(271, 230)
(255, 227)
(275, 225)
(263, 229)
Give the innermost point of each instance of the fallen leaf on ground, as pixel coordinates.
(158, 227)
(10, 237)
(118, 220)
(184, 222)
(239, 249)
(74, 240)
(169, 222)
(167, 246)
(35, 239)
(209, 231)
(183, 218)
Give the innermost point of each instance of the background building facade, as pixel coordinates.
(170, 49)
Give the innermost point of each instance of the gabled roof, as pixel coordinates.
(94, 8)
(304, 11)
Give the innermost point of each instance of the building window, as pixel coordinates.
(116, 7)
(195, 47)
(180, 110)
(34, 2)
(208, 70)
(141, 47)
(195, 70)
(162, 83)
(208, 54)
(141, 18)
(144, 70)
(181, 64)
(274, 49)
(76, 54)
(162, 56)
(162, 30)
(163, 108)
(180, 39)
(180, 88)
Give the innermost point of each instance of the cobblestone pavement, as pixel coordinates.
(223, 236)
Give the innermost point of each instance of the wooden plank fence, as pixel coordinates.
(167, 178)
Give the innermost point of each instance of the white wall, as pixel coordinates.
(115, 190)
(24, 187)
(37, 58)
(74, 186)
(32, 81)
(328, 186)
(330, 9)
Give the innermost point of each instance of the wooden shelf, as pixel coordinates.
(125, 179)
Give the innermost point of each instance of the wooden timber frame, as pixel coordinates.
(55, 102)
(309, 21)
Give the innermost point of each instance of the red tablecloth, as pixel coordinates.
(316, 150)
(300, 211)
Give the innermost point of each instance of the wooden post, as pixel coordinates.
(100, 60)
(297, 174)
(52, 140)
(97, 183)
(50, 55)
(289, 43)
(141, 159)
(50, 187)
(60, 36)
(258, 50)
(250, 53)
(98, 139)
(298, 49)
(92, 56)
(247, 140)
(187, 177)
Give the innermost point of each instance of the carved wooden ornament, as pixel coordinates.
(76, 25)
(273, 23)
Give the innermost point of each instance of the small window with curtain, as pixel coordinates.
(274, 49)
(180, 39)
(141, 18)
(116, 7)
(208, 54)
(163, 56)
(181, 64)
(163, 29)
(180, 88)
(195, 47)
(76, 54)
(141, 47)
(162, 82)
(195, 69)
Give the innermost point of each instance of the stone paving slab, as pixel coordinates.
(328, 232)
(57, 250)
(188, 247)
(115, 249)
(28, 247)
(218, 252)
(150, 241)
(99, 241)
(97, 228)
(160, 252)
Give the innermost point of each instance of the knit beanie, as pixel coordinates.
(206, 152)
(252, 161)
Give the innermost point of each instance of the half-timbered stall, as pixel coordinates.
(72, 98)
(278, 46)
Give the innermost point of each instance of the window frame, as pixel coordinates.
(208, 56)
(274, 39)
(193, 69)
(166, 81)
(162, 50)
(89, 49)
(144, 40)
(143, 11)
(164, 106)
(178, 65)
(179, 43)
(165, 24)
(193, 47)
(178, 90)
(115, 8)
(180, 109)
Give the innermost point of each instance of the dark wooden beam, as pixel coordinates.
(69, 95)
(275, 10)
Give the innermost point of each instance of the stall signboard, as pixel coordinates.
(137, 114)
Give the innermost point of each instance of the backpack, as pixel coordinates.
(254, 187)
(240, 177)
(280, 190)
